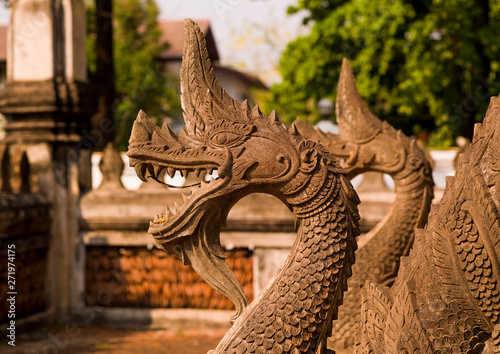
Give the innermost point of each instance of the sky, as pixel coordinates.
(4, 15)
(250, 34)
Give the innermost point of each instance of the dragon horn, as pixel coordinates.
(202, 96)
(356, 122)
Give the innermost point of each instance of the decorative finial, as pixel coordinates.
(111, 166)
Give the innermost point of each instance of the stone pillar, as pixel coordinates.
(46, 95)
(48, 103)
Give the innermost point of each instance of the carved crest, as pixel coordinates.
(446, 297)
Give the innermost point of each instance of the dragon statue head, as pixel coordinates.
(367, 143)
(250, 151)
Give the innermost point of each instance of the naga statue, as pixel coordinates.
(446, 297)
(252, 153)
(365, 143)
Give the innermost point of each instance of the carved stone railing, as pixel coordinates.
(25, 222)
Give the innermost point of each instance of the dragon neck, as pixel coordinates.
(413, 187)
(412, 181)
(412, 177)
(414, 193)
(296, 308)
(382, 247)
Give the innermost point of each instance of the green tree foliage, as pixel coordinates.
(422, 64)
(138, 81)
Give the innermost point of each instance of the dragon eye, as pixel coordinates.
(225, 138)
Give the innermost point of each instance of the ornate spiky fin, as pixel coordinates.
(273, 118)
(305, 128)
(199, 85)
(473, 231)
(375, 307)
(352, 111)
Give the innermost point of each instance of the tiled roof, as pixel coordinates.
(249, 79)
(3, 43)
(173, 34)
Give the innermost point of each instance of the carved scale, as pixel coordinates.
(365, 143)
(252, 153)
(446, 297)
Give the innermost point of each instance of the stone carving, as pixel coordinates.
(446, 297)
(252, 152)
(365, 143)
(111, 166)
(463, 144)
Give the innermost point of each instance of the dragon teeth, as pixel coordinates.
(140, 170)
(211, 174)
(157, 170)
(150, 169)
(171, 172)
(185, 197)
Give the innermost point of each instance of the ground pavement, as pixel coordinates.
(114, 340)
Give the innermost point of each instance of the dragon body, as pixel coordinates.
(252, 153)
(446, 297)
(365, 143)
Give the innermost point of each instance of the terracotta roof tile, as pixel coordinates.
(3, 43)
(156, 279)
(248, 78)
(173, 34)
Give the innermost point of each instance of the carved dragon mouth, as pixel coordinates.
(153, 151)
(183, 229)
(172, 217)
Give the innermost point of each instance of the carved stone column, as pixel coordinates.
(47, 104)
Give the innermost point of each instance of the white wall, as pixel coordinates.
(443, 167)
